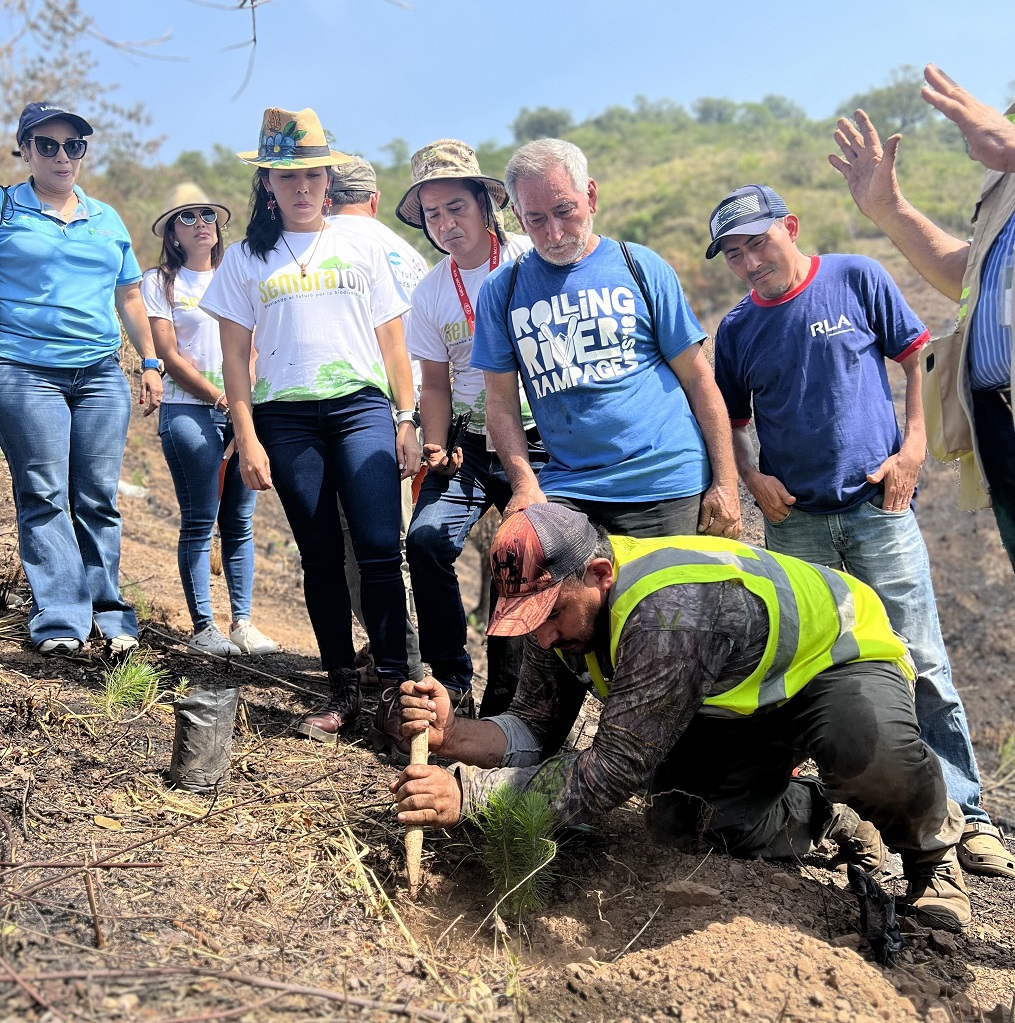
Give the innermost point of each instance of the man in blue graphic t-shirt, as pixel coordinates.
(805, 353)
(610, 356)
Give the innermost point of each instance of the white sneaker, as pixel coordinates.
(49, 647)
(120, 646)
(251, 640)
(210, 641)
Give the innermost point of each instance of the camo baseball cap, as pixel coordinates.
(534, 551)
(443, 160)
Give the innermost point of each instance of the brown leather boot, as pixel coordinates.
(936, 894)
(339, 714)
(385, 735)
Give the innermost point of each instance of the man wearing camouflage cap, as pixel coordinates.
(721, 668)
(457, 207)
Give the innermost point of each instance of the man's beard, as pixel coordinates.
(571, 250)
(595, 634)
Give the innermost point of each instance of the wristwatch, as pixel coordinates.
(405, 415)
(147, 364)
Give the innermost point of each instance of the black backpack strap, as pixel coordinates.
(639, 278)
(5, 203)
(512, 281)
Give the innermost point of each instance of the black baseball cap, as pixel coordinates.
(36, 113)
(751, 209)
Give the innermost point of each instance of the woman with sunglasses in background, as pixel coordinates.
(66, 271)
(323, 312)
(193, 422)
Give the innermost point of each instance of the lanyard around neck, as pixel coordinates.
(463, 295)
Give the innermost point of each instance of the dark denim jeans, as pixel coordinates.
(446, 510)
(323, 452)
(995, 436)
(63, 432)
(193, 440)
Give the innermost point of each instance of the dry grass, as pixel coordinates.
(281, 898)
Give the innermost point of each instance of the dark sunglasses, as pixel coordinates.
(47, 147)
(189, 218)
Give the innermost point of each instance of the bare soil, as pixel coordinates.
(283, 898)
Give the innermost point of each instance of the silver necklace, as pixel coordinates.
(303, 266)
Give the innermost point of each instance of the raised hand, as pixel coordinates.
(867, 166)
(988, 133)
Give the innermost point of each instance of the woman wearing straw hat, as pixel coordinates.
(323, 313)
(193, 423)
(67, 271)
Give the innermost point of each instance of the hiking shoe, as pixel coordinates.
(982, 850)
(462, 703)
(385, 735)
(251, 640)
(62, 646)
(858, 840)
(120, 646)
(936, 895)
(210, 641)
(339, 714)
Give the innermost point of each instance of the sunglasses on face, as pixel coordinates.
(189, 218)
(47, 147)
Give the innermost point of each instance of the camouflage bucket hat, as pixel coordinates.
(292, 139)
(443, 160)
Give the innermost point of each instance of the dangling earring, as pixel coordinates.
(327, 205)
(272, 205)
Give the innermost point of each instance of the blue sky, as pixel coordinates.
(375, 70)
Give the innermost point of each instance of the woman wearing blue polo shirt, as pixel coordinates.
(66, 271)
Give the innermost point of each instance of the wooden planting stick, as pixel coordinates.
(414, 832)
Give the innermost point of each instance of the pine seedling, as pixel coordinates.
(132, 683)
(518, 848)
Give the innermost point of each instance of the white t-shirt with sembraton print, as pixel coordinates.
(314, 335)
(197, 333)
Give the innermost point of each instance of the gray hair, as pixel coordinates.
(603, 549)
(536, 159)
(349, 197)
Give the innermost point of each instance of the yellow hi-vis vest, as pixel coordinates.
(817, 617)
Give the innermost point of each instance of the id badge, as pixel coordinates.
(1004, 292)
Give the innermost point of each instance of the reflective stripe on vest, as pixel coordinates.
(817, 617)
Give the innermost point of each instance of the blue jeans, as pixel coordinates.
(446, 510)
(323, 452)
(193, 440)
(886, 551)
(63, 431)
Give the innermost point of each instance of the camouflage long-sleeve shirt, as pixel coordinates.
(680, 645)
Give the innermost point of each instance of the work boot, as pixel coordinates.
(858, 840)
(936, 895)
(982, 850)
(340, 712)
(385, 735)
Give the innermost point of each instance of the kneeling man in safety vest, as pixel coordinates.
(722, 667)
